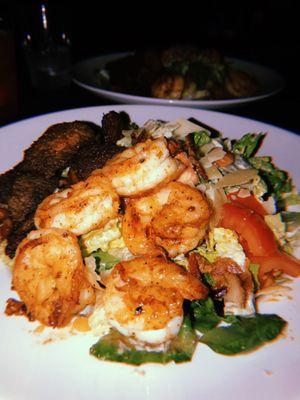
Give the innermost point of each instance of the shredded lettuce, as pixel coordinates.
(254, 269)
(209, 254)
(104, 261)
(248, 144)
(106, 239)
(201, 138)
(278, 181)
(208, 278)
(204, 314)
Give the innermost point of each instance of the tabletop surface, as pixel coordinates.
(281, 110)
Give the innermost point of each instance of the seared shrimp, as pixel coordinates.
(85, 206)
(144, 297)
(49, 276)
(240, 84)
(169, 86)
(142, 167)
(174, 218)
(189, 175)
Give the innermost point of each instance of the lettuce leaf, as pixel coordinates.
(245, 334)
(116, 347)
(278, 181)
(201, 138)
(240, 334)
(254, 269)
(248, 144)
(104, 260)
(204, 315)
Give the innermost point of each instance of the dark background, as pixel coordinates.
(265, 32)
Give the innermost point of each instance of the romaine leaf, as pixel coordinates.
(278, 181)
(204, 315)
(101, 238)
(104, 260)
(116, 347)
(254, 269)
(246, 334)
(201, 138)
(208, 254)
(248, 144)
(208, 279)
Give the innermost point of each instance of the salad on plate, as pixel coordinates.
(161, 238)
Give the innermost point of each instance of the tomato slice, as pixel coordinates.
(257, 240)
(249, 201)
(277, 261)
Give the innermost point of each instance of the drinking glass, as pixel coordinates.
(48, 53)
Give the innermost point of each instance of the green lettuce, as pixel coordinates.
(204, 315)
(116, 347)
(201, 138)
(278, 181)
(254, 269)
(104, 261)
(245, 334)
(248, 144)
(240, 334)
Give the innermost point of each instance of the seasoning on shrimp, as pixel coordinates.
(85, 206)
(144, 298)
(174, 218)
(49, 276)
(142, 167)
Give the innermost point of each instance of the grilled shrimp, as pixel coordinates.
(144, 297)
(49, 276)
(189, 175)
(85, 206)
(168, 86)
(142, 167)
(240, 84)
(174, 218)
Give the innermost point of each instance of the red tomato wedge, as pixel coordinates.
(257, 240)
(277, 261)
(249, 201)
(257, 237)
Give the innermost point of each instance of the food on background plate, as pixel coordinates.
(165, 240)
(179, 72)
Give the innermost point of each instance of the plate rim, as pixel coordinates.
(159, 107)
(119, 96)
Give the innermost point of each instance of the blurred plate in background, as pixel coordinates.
(85, 75)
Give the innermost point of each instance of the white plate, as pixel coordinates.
(84, 74)
(63, 369)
